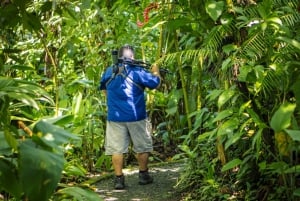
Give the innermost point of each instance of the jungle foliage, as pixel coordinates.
(228, 104)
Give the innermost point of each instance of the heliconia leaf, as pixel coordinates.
(41, 177)
(282, 117)
(53, 135)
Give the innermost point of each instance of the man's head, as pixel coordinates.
(126, 51)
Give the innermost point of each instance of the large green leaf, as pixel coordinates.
(53, 135)
(282, 117)
(9, 180)
(23, 91)
(40, 171)
(214, 9)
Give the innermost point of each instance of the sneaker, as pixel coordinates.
(145, 178)
(120, 182)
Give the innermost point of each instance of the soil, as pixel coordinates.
(166, 176)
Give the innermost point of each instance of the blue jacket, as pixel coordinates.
(125, 93)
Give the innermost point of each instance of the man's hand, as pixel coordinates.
(155, 70)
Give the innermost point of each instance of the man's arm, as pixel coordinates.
(155, 71)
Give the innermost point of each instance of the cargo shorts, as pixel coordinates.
(119, 135)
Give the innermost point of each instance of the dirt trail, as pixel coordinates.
(162, 189)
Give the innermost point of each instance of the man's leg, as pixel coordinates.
(142, 145)
(144, 177)
(143, 161)
(117, 161)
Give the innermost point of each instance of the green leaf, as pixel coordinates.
(296, 90)
(53, 135)
(292, 42)
(5, 149)
(228, 127)
(233, 139)
(231, 164)
(174, 24)
(172, 110)
(9, 180)
(214, 94)
(294, 134)
(75, 170)
(229, 48)
(296, 192)
(27, 100)
(214, 9)
(224, 97)
(282, 117)
(19, 67)
(244, 71)
(80, 194)
(10, 139)
(60, 120)
(294, 169)
(40, 171)
(222, 115)
(226, 64)
(205, 135)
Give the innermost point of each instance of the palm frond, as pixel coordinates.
(255, 46)
(275, 81)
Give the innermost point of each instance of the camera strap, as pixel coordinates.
(121, 70)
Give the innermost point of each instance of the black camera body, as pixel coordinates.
(124, 60)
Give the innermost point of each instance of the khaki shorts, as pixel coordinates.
(120, 134)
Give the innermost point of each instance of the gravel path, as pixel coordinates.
(162, 189)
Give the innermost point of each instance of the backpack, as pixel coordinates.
(122, 71)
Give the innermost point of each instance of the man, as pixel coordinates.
(126, 115)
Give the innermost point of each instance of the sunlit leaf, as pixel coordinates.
(214, 9)
(53, 135)
(282, 117)
(224, 97)
(228, 127)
